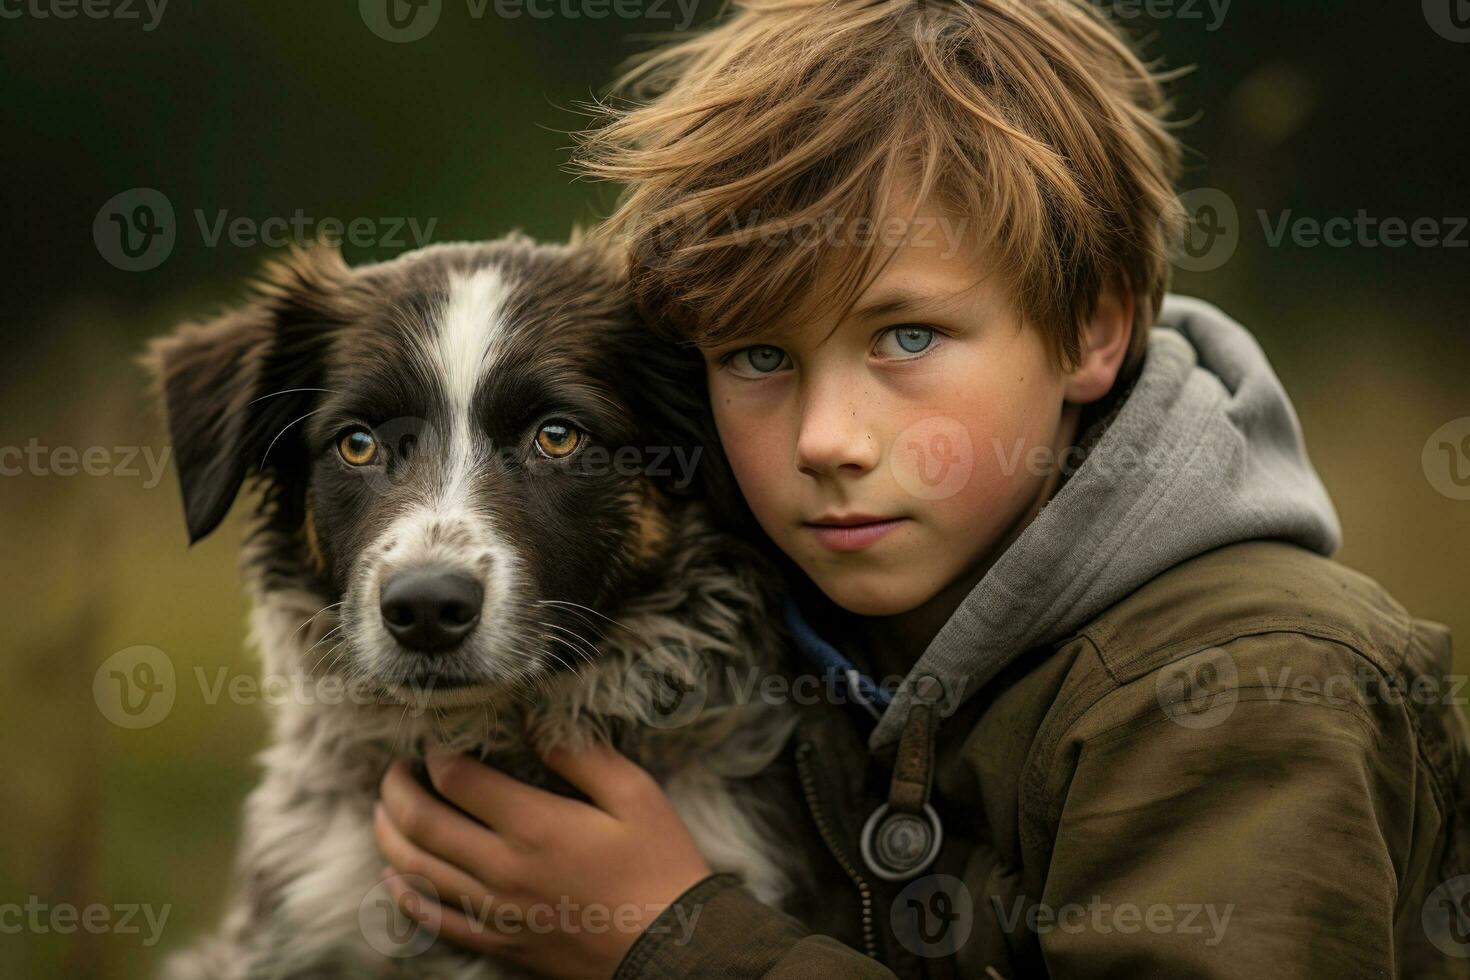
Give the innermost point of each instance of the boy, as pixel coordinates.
(1144, 726)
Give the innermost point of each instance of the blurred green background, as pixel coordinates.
(263, 108)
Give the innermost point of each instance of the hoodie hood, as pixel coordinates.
(1206, 451)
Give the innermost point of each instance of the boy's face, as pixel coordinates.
(911, 423)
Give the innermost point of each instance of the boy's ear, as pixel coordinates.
(234, 388)
(1105, 343)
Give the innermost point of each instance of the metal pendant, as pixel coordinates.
(897, 846)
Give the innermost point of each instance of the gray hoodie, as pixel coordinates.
(1206, 451)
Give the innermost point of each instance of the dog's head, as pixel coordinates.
(474, 448)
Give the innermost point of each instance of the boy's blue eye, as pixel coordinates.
(760, 359)
(913, 339)
(764, 358)
(910, 340)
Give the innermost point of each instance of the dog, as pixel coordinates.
(484, 516)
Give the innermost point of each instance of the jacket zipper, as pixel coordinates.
(866, 893)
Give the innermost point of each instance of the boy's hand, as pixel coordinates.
(561, 887)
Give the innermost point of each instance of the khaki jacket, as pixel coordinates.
(1250, 767)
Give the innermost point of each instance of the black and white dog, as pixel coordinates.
(482, 516)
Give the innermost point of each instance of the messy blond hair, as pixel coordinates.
(1032, 119)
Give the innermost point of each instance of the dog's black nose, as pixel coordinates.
(430, 610)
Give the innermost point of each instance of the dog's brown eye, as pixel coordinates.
(557, 439)
(358, 447)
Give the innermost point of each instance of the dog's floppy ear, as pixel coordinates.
(232, 387)
(671, 403)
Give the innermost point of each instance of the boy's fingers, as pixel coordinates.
(479, 934)
(610, 779)
(442, 830)
(510, 806)
(407, 858)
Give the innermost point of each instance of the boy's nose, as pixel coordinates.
(834, 438)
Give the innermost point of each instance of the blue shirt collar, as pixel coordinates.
(859, 687)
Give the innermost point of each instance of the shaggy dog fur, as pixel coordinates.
(606, 590)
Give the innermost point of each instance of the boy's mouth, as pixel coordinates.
(851, 532)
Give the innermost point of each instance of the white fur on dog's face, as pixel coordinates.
(441, 530)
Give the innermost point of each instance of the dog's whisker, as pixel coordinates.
(578, 605)
(559, 660)
(335, 653)
(585, 651)
(327, 636)
(337, 656)
(581, 617)
(307, 621)
(549, 638)
(397, 729)
(436, 719)
(283, 432)
(521, 678)
(288, 391)
(569, 631)
(590, 644)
